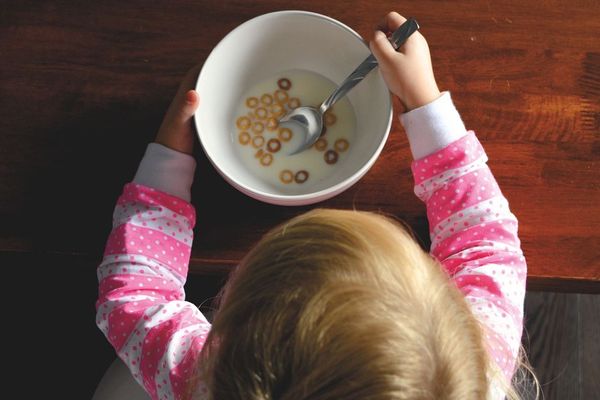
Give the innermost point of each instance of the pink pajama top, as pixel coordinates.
(141, 308)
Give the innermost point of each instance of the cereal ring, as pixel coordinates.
(301, 176)
(277, 110)
(341, 145)
(266, 159)
(251, 115)
(258, 127)
(243, 122)
(331, 156)
(294, 102)
(266, 99)
(258, 141)
(280, 95)
(244, 138)
(273, 145)
(259, 153)
(321, 144)
(251, 102)
(272, 124)
(330, 119)
(286, 176)
(261, 113)
(285, 134)
(284, 83)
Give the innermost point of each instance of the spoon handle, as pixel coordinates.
(398, 38)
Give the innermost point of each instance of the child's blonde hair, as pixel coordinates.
(342, 305)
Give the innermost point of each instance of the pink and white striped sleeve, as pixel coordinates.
(141, 308)
(474, 236)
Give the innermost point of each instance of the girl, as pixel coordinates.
(332, 304)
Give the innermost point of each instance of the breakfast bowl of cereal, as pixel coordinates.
(269, 66)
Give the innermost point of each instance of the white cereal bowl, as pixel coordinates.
(264, 47)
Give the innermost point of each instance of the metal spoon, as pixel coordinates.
(311, 118)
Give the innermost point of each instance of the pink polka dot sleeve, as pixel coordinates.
(474, 236)
(141, 308)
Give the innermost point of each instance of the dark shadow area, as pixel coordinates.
(53, 332)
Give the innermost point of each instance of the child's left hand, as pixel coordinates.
(176, 131)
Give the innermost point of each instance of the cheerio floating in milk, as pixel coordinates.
(264, 145)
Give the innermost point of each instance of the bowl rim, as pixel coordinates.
(295, 199)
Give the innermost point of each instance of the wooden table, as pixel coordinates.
(84, 86)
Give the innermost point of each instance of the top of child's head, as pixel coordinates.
(342, 305)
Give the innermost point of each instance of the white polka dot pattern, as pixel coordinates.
(179, 346)
(156, 218)
(118, 264)
(140, 307)
(425, 189)
(474, 236)
(108, 306)
(470, 217)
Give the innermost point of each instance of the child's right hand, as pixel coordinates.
(407, 72)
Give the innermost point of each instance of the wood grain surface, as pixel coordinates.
(84, 86)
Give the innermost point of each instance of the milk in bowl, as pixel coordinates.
(264, 146)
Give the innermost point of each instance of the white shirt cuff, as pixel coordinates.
(433, 126)
(167, 170)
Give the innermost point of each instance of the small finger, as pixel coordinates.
(391, 22)
(382, 49)
(191, 97)
(192, 100)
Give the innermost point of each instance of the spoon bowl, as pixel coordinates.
(311, 119)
